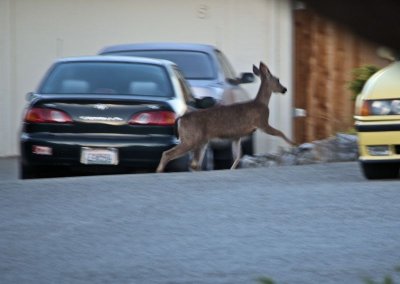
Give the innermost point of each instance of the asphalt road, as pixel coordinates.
(304, 224)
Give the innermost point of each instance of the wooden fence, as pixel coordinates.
(325, 54)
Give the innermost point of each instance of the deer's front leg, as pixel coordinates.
(275, 132)
(236, 152)
(198, 156)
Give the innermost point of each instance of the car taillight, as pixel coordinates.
(46, 115)
(161, 118)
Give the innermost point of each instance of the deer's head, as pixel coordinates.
(272, 81)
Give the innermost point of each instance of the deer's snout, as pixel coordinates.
(284, 90)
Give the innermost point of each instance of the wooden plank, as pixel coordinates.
(325, 55)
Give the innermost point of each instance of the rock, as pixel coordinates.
(342, 147)
(347, 147)
(257, 161)
(306, 146)
(287, 159)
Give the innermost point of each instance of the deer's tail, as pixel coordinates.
(176, 127)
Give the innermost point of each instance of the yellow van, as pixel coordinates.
(377, 121)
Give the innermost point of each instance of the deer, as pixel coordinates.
(234, 121)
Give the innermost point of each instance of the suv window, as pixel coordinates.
(227, 68)
(195, 65)
(107, 77)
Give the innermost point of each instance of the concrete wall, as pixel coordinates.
(34, 33)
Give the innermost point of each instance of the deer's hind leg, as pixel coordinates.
(176, 152)
(275, 132)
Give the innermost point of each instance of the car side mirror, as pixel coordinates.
(29, 96)
(205, 102)
(246, 77)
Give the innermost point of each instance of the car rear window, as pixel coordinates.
(195, 65)
(107, 78)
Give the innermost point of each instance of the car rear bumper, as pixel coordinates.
(66, 150)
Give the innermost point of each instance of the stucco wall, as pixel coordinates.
(34, 33)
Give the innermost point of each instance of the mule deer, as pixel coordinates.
(226, 121)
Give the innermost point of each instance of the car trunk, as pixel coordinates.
(105, 115)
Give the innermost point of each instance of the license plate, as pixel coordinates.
(99, 156)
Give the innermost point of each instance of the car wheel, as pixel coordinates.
(208, 160)
(31, 172)
(223, 158)
(247, 146)
(28, 172)
(178, 165)
(380, 171)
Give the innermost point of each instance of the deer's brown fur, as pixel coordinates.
(226, 121)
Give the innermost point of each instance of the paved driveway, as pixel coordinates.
(305, 224)
(8, 169)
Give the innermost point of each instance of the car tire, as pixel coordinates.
(223, 158)
(380, 170)
(208, 160)
(28, 172)
(178, 165)
(248, 146)
(32, 172)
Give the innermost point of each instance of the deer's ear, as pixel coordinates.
(256, 71)
(264, 69)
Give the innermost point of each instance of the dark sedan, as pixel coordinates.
(103, 112)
